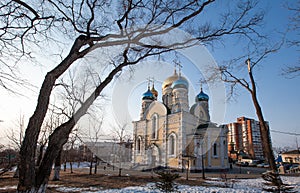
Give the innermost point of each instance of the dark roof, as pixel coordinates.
(203, 126)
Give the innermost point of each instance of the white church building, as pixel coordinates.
(174, 135)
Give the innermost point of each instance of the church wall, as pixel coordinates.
(173, 122)
(139, 132)
(211, 161)
(139, 159)
(157, 132)
(173, 128)
(221, 159)
(140, 127)
(155, 108)
(189, 122)
(173, 163)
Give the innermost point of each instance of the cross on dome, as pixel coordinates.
(178, 65)
(201, 96)
(149, 81)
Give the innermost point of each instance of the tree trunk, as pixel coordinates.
(65, 165)
(57, 165)
(27, 173)
(264, 129)
(120, 172)
(31, 180)
(91, 164)
(96, 163)
(71, 167)
(56, 141)
(40, 156)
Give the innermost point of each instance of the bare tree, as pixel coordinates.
(74, 90)
(52, 120)
(16, 137)
(69, 153)
(135, 27)
(294, 27)
(228, 74)
(57, 167)
(121, 136)
(94, 132)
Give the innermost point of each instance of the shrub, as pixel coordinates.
(166, 181)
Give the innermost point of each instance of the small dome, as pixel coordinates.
(181, 82)
(170, 80)
(148, 95)
(202, 96)
(154, 92)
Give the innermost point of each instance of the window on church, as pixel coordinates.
(138, 145)
(154, 127)
(172, 144)
(215, 153)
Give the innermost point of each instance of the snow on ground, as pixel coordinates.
(239, 186)
(216, 184)
(8, 187)
(76, 165)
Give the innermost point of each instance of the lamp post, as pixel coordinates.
(200, 146)
(187, 169)
(202, 162)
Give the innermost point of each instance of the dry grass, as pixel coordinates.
(108, 179)
(80, 179)
(7, 181)
(100, 180)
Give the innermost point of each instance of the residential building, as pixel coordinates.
(244, 137)
(291, 156)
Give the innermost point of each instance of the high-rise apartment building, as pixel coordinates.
(244, 136)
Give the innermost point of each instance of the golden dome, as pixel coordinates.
(168, 82)
(154, 92)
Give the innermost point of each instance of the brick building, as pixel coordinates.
(244, 137)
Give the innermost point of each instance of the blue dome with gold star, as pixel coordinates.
(202, 96)
(148, 95)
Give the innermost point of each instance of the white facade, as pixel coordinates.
(171, 134)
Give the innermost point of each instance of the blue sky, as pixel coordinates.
(278, 95)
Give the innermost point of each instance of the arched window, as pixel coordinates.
(138, 145)
(215, 152)
(172, 144)
(154, 126)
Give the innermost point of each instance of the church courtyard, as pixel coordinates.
(135, 181)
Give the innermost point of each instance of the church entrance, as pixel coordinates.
(153, 156)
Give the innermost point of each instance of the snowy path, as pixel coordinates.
(239, 186)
